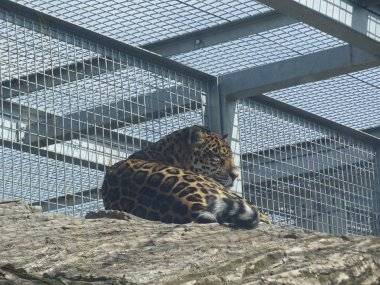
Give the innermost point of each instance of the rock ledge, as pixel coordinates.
(38, 248)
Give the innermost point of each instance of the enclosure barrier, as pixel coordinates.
(306, 171)
(74, 102)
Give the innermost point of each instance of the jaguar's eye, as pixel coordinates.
(216, 158)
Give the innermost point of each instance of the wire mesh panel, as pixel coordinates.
(70, 107)
(351, 99)
(140, 22)
(305, 174)
(259, 49)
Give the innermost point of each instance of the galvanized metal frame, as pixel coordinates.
(295, 71)
(220, 33)
(366, 3)
(318, 120)
(55, 23)
(223, 92)
(342, 19)
(302, 69)
(318, 66)
(98, 124)
(375, 131)
(376, 213)
(323, 178)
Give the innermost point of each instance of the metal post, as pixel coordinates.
(223, 119)
(213, 110)
(376, 196)
(230, 126)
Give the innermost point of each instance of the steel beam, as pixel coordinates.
(366, 3)
(342, 19)
(300, 165)
(46, 128)
(230, 124)
(219, 34)
(213, 109)
(57, 76)
(295, 71)
(168, 47)
(353, 133)
(50, 154)
(70, 200)
(374, 131)
(376, 196)
(46, 24)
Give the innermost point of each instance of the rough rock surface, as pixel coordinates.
(37, 248)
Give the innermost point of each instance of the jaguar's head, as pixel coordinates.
(212, 156)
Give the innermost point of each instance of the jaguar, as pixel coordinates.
(184, 177)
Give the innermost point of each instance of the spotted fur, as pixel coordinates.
(169, 194)
(181, 178)
(194, 148)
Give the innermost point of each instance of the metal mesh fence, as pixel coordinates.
(351, 99)
(305, 174)
(71, 106)
(140, 22)
(143, 22)
(259, 49)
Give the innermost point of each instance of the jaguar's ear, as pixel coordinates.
(224, 136)
(196, 134)
(200, 128)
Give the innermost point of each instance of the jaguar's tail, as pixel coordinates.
(235, 212)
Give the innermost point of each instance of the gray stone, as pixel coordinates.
(40, 248)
